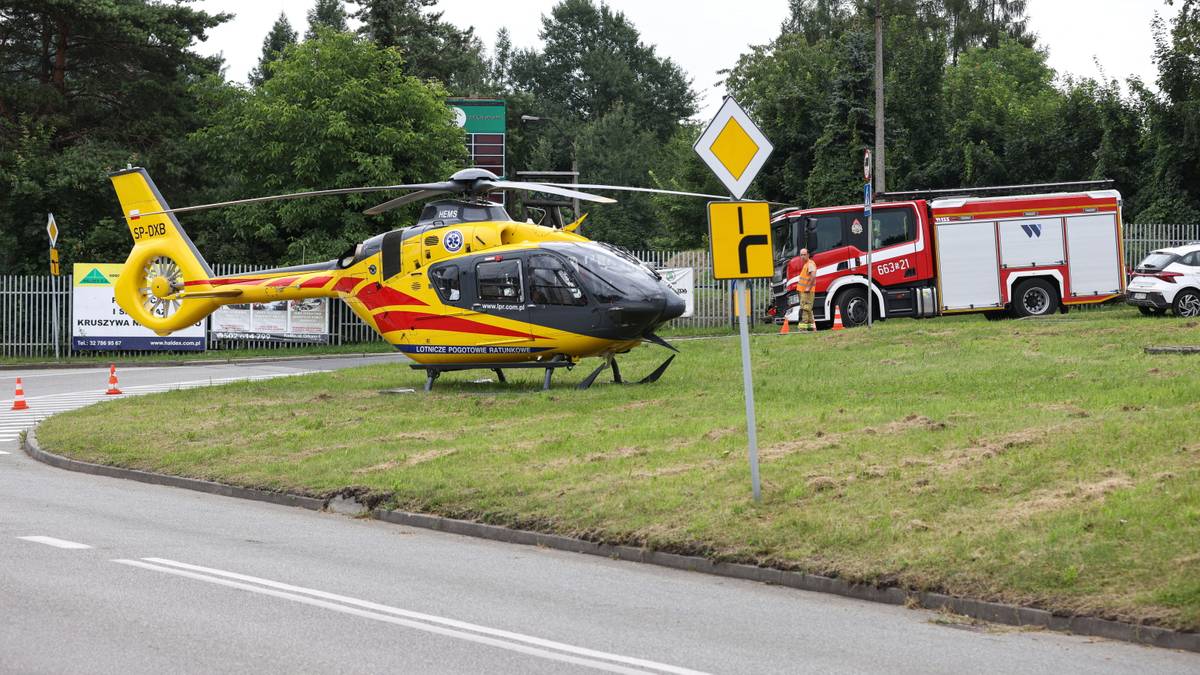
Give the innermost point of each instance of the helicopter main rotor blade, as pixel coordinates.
(311, 193)
(626, 188)
(656, 190)
(549, 189)
(401, 201)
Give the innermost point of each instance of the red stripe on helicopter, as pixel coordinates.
(315, 282)
(286, 281)
(390, 321)
(347, 284)
(249, 281)
(375, 297)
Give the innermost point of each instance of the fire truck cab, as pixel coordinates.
(1025, 255)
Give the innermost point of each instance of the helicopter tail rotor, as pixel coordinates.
(164, 273)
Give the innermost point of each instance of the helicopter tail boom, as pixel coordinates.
(166, 285)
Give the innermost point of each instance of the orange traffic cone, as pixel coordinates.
(837, 319)
(19, 400)
(784, 330)
(112, 380)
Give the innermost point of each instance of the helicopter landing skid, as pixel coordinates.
(434, 370)
(611, 362)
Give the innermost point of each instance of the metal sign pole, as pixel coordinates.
(870, 250)
(870, 232)
(54, 309)
(743, 306)
(52, 231)
(739, 232)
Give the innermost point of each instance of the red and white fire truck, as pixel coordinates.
(1026, 255)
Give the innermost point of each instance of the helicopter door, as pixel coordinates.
(500, 292)
(555, 297)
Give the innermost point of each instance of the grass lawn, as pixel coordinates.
(1043, 462)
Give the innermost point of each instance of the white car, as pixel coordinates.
(1168, 278)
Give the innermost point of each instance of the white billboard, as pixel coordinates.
(682, 280)
(284, 320)
(98, 323)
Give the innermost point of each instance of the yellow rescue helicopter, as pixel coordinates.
(465, 287)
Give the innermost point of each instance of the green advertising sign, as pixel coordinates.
(478, 116)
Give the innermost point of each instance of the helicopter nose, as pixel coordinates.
(673, 307)
(636, 317)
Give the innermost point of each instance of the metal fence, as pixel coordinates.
(26, 302)
(27, 314)
(1142, 238)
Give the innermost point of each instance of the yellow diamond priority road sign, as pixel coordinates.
(733, 147)
(740, 234)
(52, 230)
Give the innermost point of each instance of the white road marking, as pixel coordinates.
(426, 622)
(57, 543)
(3, 452)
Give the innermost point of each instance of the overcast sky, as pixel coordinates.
(706, 36)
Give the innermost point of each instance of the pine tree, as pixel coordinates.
(84, 90)
(326, 14)
(281, 37)
(432, 48)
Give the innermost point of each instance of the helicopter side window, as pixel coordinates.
(446, 280)
(499, 281)
(550, 283)
(472, 214)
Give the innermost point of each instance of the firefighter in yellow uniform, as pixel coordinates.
(806, 286)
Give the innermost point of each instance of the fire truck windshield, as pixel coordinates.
(785, 243)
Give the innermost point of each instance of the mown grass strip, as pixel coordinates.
(1048, 463)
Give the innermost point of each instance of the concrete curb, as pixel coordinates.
(1172, 350)
(995, 612)
(51, 365)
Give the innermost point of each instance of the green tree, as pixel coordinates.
(432, 48)
(86, 87)
(330, 14)
(620, 163)
(337, 112)
(1172, 193)
(606, 102)
(784, 86)
(1000, 111)
(593, 60)
(836, 176)
(280, 37)
(811, 91)
(983, 23)
(682, 221)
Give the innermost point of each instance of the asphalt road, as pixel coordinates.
(102, 575)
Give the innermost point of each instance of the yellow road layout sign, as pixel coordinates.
(740, 236)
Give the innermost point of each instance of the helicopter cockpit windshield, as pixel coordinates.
(446, 213)
(609, 272)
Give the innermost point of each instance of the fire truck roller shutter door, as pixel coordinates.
(1093, 263)
(1031, 242)
(967, 260)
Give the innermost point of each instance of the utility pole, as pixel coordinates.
(880, 184)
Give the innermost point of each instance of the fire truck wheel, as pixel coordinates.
(853, 303)
(1034, 297)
